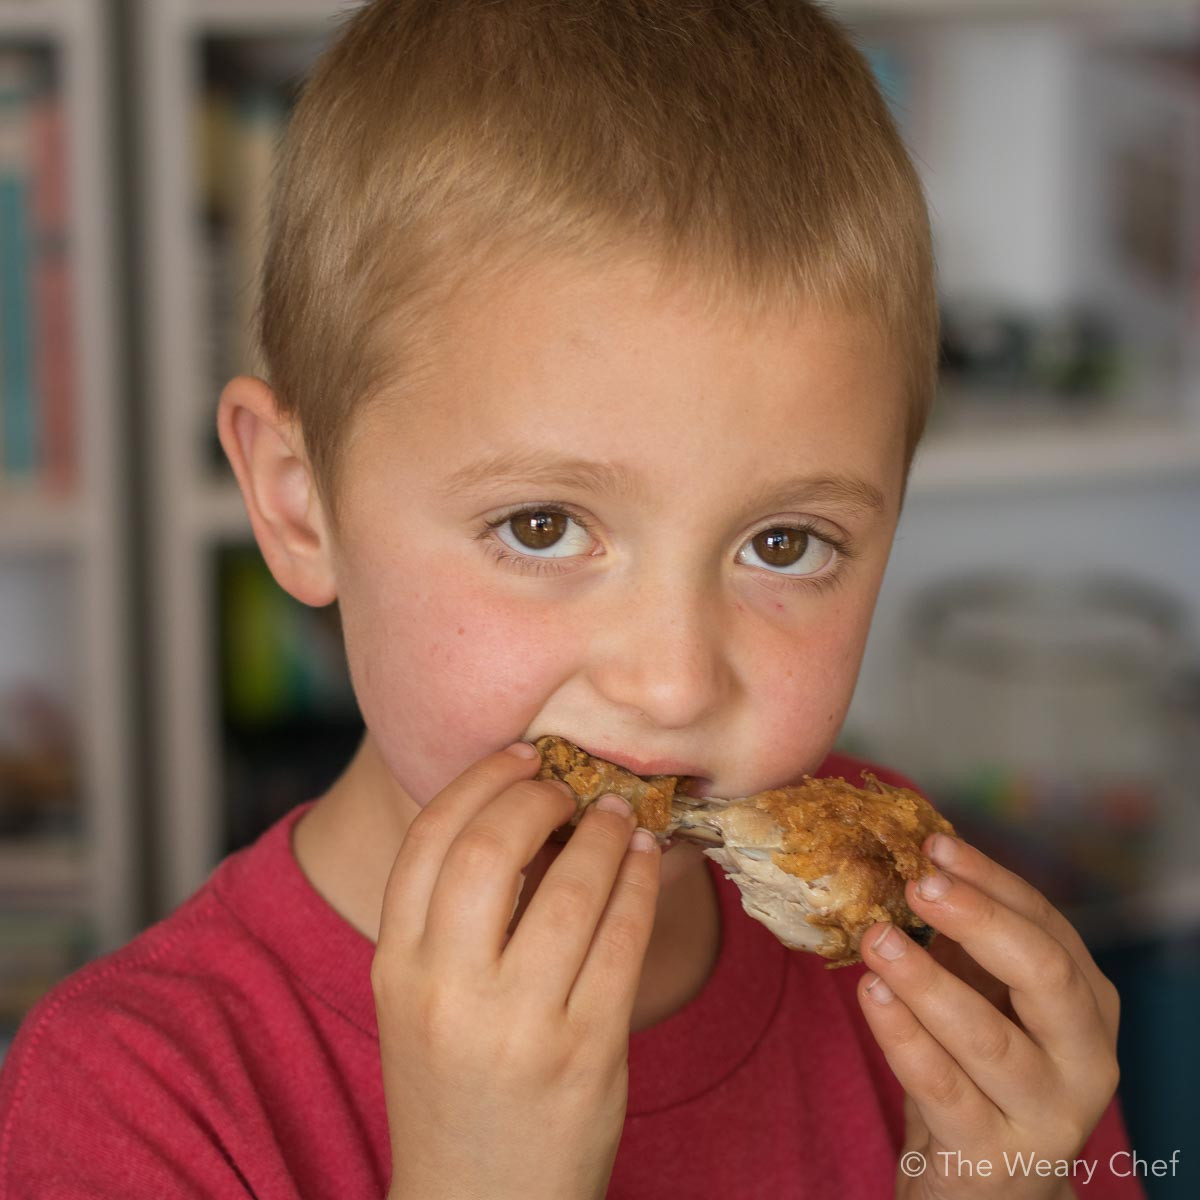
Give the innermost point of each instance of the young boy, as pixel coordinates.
(599, 339)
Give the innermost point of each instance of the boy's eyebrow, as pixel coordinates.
(531, 467)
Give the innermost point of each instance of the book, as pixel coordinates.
(53, 352)
(18, 84)
(38, 435)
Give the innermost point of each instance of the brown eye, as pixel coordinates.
(543, 533)
(538, 530)
(780, 547)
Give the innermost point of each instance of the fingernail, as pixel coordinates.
(890, 943)
(879, 991)
(933, 886)
(562, 787)
(614, 804)
(943, 849)
(522, 750)
(643, 840)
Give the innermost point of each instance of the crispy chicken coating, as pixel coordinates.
(816, 863)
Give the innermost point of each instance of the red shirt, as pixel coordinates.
(231, 1050)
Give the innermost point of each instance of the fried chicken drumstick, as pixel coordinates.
(817, 863)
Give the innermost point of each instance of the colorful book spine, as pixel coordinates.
(281, 660)
(38, 434)
(18, 449)
(54, 357)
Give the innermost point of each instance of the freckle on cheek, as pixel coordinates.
(461, 631)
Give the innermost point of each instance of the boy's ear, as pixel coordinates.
(266, 452)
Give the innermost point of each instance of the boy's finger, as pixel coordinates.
(552, 939)
(415, 871)
(607, 983)
(972, 865)
(1049, 993)
(995, 1053)
(955, 1110)
(480, 878)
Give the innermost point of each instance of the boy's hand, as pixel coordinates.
(505, 1059)
(1028, 1075)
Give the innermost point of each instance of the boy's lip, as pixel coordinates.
(647, 766)
(697, 782)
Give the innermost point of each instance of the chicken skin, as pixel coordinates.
(816, 863)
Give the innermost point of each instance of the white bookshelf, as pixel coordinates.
(191, 513)
(86, 532)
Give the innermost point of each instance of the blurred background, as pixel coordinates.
(1034, 663)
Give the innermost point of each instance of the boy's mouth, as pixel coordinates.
(691, 783)
(693, 780)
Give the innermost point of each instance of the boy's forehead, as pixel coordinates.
(605, 364)
(616, 325)
(583, 308)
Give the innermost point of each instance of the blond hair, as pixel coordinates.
(741, 145)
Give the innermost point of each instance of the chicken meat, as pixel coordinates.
(817, 863)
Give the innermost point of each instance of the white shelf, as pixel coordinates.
(33, 18)
(51, 867)
(249, 17)
(35, 524)
(1054, 457)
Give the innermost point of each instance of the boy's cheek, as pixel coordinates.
(443, 679)
(446, 673)
(798, 678)
(797, 708)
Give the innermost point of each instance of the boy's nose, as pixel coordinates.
(664, 655)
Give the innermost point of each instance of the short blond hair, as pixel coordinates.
(741, 145)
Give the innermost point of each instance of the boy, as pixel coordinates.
(600, 337)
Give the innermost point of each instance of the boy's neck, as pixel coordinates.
(347, 842)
